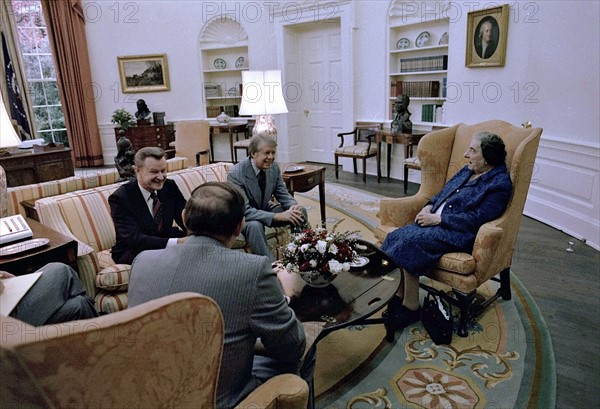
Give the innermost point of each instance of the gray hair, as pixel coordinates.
(256, 141)
(148, 152)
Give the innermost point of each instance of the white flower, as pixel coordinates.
(335, 267)
(346, 266)
(313, 263)
(292, 247)
(333, 249)
(321, 246)
(304, 248)
(291, 267)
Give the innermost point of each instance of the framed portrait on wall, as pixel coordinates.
(486, 37)
(144, 73)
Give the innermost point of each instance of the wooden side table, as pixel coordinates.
(61, 249)
(304, 180)
(230, 129)
(390, 138)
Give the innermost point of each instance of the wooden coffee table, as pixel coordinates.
(351, 299)
(60, 248)
(302, 178)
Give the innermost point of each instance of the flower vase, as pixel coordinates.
(317, 279)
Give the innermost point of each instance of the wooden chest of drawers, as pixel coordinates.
(151, 135)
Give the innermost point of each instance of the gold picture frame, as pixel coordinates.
(493, 24)
(144, 73)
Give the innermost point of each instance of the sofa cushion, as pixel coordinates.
(114, 278)
(460, 263)
(105, 259)
(110, 301)
(35, 191)
(189, 179)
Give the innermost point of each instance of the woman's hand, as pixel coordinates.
(425, 218)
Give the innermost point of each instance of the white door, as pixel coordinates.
(314, 89)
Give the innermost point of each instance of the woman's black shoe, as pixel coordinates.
(398, 316)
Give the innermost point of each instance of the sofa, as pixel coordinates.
(83, 180)
(85, 216)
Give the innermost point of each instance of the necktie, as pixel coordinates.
(262, 182)
(156, 210)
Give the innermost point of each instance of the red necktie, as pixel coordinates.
(156, 210)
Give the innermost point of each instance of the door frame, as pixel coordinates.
(289, 148)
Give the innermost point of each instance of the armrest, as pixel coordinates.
(271, 395)
(485, 249)
(400, 211)
(341, 136)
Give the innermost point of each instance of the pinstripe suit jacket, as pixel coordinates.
(243, 176)
(248, 293)
(134, 226)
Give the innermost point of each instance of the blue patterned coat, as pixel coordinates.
(469, 204)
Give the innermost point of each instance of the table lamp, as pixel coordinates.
(262, 95)
(8, 136)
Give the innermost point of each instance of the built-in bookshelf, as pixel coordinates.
(418, 67)
(224, 55)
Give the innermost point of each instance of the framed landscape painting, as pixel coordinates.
(144, 73)
(486, 37)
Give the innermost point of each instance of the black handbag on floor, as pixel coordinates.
(436, 316)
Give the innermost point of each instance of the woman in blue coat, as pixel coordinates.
(449, 222)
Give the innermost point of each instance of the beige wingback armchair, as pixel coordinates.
(162, 354)
(441, 156)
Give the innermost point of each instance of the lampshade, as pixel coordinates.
(262, 95)
(8, 136)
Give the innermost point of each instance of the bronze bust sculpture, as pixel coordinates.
(401, 122)
(143, 112)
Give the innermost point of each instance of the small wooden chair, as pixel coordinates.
(363, 146)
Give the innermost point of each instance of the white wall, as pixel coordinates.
(550, 78)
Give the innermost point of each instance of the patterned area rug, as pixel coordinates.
(507, 361)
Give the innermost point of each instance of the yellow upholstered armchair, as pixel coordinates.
(363, 145)
(441, 156)
(192, 141)
(162, 354)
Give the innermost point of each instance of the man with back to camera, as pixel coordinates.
(143, 209)
(253, 307)
(260, 211)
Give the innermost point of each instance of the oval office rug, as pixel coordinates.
(507, 361)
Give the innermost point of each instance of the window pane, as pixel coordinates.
(52, 92)
(26, 39)
(47, 67)
(61, 137)
(32, 67)
(37, 93)
(47, 135)
(41, 118)
(56, 116)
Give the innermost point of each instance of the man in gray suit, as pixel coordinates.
(259, 177)
(244, 286)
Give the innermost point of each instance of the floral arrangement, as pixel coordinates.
(320, 251)
(122, 118)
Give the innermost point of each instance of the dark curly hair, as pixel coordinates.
(492, 148)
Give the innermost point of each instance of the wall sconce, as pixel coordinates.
(262, 95)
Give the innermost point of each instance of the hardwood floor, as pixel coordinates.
(565, 286)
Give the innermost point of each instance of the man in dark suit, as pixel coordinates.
(143, 209)
(244, 286)
(259, 177)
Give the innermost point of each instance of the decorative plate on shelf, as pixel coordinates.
(443, 39)
(422, 39)
(232, 92)
(239, 63)
(220, 64)
(403, 43)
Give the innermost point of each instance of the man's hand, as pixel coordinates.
(293, 216)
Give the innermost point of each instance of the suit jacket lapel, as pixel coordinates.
(252, 183)
(138, 202)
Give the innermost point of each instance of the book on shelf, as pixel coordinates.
(417, 89)
(419, 64)
(213, 111)
(232, 110)
(444, 86)
(430, 112)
